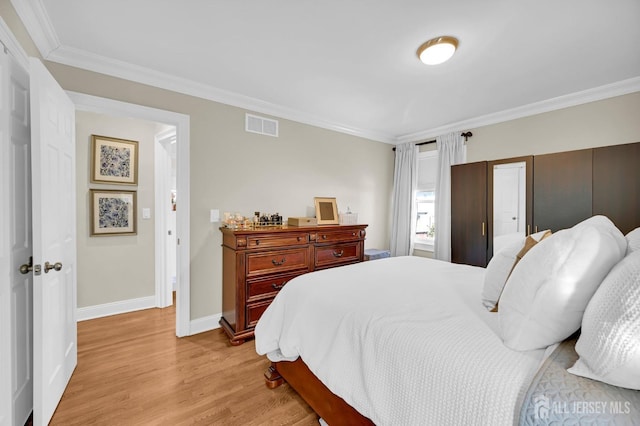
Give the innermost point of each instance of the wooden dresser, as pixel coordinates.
(257, 263)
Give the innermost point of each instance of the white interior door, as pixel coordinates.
(54, 241)
(16, 372)
(165, 257)
(506, 197)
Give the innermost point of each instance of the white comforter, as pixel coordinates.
(404, 340)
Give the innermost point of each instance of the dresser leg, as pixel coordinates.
(272, 378)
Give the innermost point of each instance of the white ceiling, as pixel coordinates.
(352, 65)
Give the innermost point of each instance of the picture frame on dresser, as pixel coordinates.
(326, 210)
(114, 161)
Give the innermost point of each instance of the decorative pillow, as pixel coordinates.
(609, 346)
(501, 265)
(633, 240)
(546, 295)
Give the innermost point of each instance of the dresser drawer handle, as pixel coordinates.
(338, 253)
(276, 263)
(324, 237)
(278, 286)
(257, 242)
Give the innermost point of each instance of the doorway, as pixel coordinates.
(166, 200)
(180, 123)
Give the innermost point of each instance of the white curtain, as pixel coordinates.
(451, 150)
(403, 205)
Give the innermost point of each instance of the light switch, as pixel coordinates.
(214, 215)
(146, 213)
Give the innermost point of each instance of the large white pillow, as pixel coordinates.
(545, 297)
(633, 240)
(609, 343)
(500, 267)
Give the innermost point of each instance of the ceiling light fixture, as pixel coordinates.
(437, 50)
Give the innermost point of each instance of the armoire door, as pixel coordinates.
(469, 213)
(562, 189)
(616, 184)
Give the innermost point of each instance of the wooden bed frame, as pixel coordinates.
(330, 407)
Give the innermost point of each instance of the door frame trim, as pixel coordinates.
(181, 122)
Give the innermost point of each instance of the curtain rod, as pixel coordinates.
(465, 135)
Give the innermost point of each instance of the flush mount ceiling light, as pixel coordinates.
(437, 50)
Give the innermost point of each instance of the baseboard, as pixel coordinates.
(114, 308)
(196, 326)
(203, 324)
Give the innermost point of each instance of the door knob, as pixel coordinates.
(28, 267)
(25, 268)
(47, 266)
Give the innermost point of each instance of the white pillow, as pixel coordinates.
(609, 346)
(633, 240)
(497, 273)
(546, 295)
(500, 267)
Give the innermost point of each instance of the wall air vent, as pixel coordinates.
(261, 125)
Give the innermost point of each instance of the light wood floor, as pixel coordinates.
(132, 370)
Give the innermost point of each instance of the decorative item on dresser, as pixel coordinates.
(257, 263)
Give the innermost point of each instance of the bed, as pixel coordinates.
(409, 340)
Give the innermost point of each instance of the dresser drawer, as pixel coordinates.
(277, 261)
(336, 254)
(255, 311)
(271, 241)
(338, 236)
(267, 287)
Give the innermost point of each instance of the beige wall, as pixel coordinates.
(114, 268)
(608, 122)
(233, 170)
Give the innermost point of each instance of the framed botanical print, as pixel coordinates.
(113, 212)
(114, 160)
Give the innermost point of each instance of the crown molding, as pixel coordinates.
(36, 20)
(100, 64)
(623, 87)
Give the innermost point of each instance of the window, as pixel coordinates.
(425, 199)
(425, 224)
